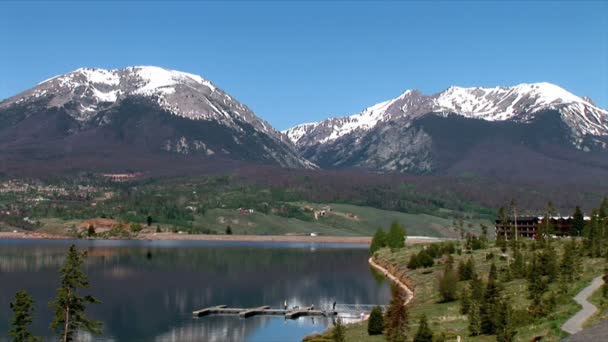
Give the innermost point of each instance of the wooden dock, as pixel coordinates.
(262, 310)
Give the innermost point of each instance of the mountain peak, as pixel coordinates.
(184, 112)
(518, 103)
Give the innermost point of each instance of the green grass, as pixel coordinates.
(446, 318)
(342, 220)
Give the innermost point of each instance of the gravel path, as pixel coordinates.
(575, 323)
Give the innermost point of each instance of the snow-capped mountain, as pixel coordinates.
(518, 103)
(386, 136)
(183, 113)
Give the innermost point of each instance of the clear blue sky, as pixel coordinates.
(295, 62)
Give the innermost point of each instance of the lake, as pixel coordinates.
(150, 288)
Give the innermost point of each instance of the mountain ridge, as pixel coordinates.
(474, 102)
(91, 99)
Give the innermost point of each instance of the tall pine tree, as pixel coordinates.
(396, 236)
(489, 306)
(68, 305)
(22, 317)
(378, 241)
(396, 316)
(578, 222)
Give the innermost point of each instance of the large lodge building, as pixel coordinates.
(529, 226)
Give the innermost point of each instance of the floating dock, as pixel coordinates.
(263, 310)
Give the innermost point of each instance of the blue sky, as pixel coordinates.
(295, 62)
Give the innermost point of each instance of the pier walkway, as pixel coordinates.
(263, 310)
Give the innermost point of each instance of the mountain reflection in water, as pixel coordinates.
(150, 288)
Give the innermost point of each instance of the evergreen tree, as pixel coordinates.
(465, 301)
(337, 334)
(489, 305)
(537, 286)
(378, 241)
(228, 230)
(424, 333)
(474, 319)
(567, 264)
(396, 236)
(518, 266)
(396, 316)
(595, 234)
(448, 285)
(91, 231)
(477, 288)
(505, 330)
(578, 222)
(548, 263)
(22, 317)
(466, 271)
(375, 324)
(69, 306)
(149, 221)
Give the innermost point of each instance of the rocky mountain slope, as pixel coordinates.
(414, 132)
(134, 112)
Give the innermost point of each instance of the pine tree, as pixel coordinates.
(424, 333)
(505, 330)
(489, 305)
(448, 283)
(396, 236)
(548, 263)
(337, 334)
(375, 324)
(396, 316)
(474, 319)
(466, 271)
(69, 306)
(378, 241)
(465, 301)
(537, 286)
(518, 266)
(567, 264)
(22, 317)
(228, 230)
(578, 222)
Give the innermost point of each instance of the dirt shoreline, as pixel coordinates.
(400, 282)
(363, 240)
(360, 240)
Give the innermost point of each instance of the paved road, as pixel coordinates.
(575, 323)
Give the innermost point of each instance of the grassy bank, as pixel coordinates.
(446, 317)
(336, 220)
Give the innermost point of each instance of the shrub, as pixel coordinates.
(424, 333)
(136, 227)
(91, 231)
(375, 324)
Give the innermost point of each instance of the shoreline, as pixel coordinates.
(386, 273)
(359, 240)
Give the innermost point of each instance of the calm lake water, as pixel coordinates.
(150, 288)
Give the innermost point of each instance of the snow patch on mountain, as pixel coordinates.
(518, 103)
